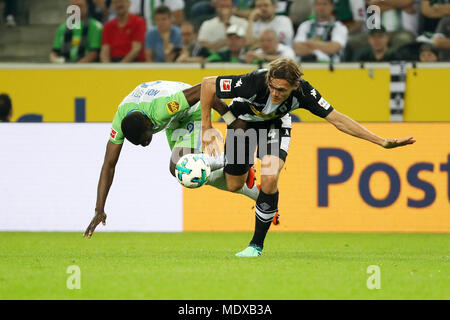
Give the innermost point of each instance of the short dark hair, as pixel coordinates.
(163, 10)
(5, 107)
(133, 126)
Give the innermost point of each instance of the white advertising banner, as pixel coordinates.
(49, 174)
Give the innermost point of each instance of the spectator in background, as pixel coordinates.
(283, 7)
(432, 12)
(301, 11)
(270, 49)
(146, 9)
(5, 108)
(441, 39)
(202, 11)
(10, 12)
(99, 9)
(427, 53)
(378, 51)
(236, 46)
(212, 34)
(263, 17)
(191, 51)
(398, 15)
(205, 10)
(352, 13)
(163, 42)
(243, 8)
(123, 37)
(78, 43)
(323, 38)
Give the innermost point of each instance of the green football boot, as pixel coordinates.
(250, 251)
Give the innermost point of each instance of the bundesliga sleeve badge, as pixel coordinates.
(225, 85)
(113, 134)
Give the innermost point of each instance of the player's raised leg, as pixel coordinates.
(186, 139)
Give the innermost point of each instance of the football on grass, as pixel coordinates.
(192, 170)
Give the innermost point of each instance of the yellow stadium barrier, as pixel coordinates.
(92, 92)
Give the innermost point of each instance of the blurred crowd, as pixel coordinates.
(255, 31)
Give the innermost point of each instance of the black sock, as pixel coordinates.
(266, 207)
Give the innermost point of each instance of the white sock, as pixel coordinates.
(217, 180)
(252, 193)
(215, 162)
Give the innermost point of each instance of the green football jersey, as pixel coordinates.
(163, 102)
(94, 38)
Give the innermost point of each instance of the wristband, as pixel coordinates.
(228, 117)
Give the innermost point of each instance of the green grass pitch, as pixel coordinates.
(203, 266)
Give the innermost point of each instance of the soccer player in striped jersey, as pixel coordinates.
(262, 101)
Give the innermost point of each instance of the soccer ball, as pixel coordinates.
(192, 170)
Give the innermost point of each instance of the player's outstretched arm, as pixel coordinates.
(192, 94)
(207, 98)
(349, 126)
(104, 184)
(208, 91)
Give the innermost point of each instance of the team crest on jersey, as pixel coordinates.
(225, 85)
(173, 106)
(113, 134)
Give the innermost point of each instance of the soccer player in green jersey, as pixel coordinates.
(148, 109)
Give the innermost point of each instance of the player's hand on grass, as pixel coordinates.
(100, 216)
(394, 143)
(211, 137)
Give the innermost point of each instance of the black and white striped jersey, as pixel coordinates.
(252, 102)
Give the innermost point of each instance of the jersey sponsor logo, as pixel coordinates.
(113, 134)
(239, 83)
(152, 92)
(324, 104)
(225, 85)
(173, 106)
(263, 115)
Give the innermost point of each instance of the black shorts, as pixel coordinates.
(266, 137)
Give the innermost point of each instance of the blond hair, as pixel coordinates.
(284, 68)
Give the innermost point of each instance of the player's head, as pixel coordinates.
(5, 107)
(137, 128)
(282, 78)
